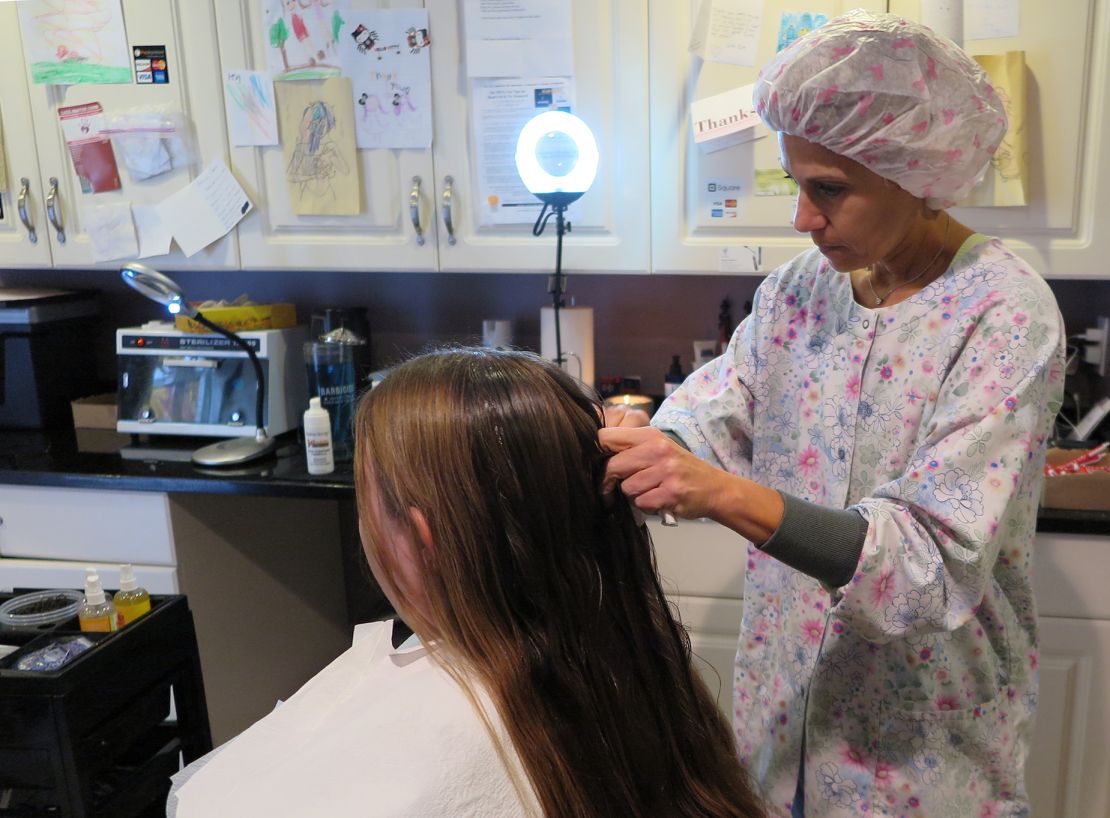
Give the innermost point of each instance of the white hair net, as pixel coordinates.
(892, 95)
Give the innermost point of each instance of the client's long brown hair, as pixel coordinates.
(538, 590)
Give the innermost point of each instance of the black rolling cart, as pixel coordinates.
(92, 739)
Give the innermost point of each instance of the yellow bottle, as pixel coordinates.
(97, 613)
(131, 601)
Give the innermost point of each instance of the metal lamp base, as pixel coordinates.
(234, 451)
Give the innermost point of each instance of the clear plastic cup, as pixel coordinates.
(331, 375)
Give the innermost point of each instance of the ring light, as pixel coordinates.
(543, 140)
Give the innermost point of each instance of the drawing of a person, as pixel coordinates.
(401, 100)
(369, 104)
(315, 160)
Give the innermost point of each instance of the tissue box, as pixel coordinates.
(95, 412)
(1090, 492)
(237, 319)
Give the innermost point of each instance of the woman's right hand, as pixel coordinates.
(657, 474)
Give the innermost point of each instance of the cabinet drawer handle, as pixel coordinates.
(414, 211)
(54, 210)
(24, 215)
(448, 185)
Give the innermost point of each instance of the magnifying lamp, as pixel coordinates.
(556, 157)
(161, 288)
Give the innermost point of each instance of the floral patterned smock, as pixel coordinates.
(915, 684)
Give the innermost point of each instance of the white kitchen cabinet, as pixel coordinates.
(685, 237)
(21, 244)
(701, 565)
(381, 237)
(1069, 767)
(188, 31)
(610, 234)
(610, 94)
(1061, 232)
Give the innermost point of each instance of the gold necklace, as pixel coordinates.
(879, 299)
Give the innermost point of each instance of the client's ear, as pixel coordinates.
(424, 531)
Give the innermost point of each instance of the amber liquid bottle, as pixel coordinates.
(132, 601)
(97, 613)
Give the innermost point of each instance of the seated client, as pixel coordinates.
(551, 676)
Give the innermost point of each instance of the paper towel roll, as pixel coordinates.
(497, 334)
(577, 329)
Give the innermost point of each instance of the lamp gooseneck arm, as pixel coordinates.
(260, 391)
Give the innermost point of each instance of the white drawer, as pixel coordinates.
(85, 524)
(157, 579)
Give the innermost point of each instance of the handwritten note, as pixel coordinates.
(727, 31)
(206, 209)
(251, 115)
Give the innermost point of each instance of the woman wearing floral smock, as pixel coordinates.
(877, 429)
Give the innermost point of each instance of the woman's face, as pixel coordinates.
(854, 216)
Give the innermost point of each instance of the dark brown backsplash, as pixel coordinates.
(639, 321)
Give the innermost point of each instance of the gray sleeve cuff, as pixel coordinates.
(822, 542)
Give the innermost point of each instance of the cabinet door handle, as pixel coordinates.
(414, 211)
(448, 188)
(24, 214)
(54, 210)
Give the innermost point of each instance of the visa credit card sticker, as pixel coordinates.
(151, 67)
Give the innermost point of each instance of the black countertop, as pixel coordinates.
(101, 459)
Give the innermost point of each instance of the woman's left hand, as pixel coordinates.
(658, 474)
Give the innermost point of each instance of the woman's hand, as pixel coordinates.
(658, 474)
(623, 416)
